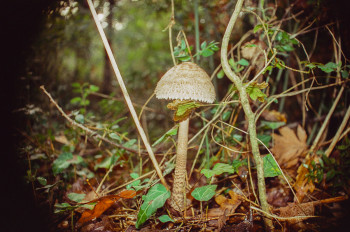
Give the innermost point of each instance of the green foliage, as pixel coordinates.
(271, 125)
(77, 197)
(165, 218)
(254, 91)
(137, 184)
(204, 193)
(334, 172)
(155, 199)
(108, 162)
(265, 139)
(168, 134)
(271, 168)
(84, 90)
(218, 169)
(41, 180)
(181, 52)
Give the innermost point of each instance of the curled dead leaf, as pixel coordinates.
(103, 204)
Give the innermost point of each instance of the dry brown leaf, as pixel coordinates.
(288, 147)
(103, 204)
(294, 210)
(228, 205)
(274, 116)
(302, 184)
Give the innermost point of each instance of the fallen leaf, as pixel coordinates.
(274, 116)
(288, 147)
(296, 209)
(104, 203)
(302, 183)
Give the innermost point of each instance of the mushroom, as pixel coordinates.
(183, 83)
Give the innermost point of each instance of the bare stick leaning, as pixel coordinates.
(125, 94)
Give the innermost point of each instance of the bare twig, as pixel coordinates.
(126, 94)
(87, 130)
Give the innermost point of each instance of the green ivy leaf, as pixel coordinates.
(77, 197)
(165, 218)
(218, 169)
(204, 193)
(169, 133)
(255, 93)
(265, 139)
(107, 162)
(155, 198)
(271, 168)
(61, 162)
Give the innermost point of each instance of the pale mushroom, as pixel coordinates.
(184, 82)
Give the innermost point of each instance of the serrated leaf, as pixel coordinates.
(243, 62)
(204, 193)
(42, 180)
(271, 168)
(77, 197)
(165, 218)
(61, 162)
(155, 198)
(169, 133)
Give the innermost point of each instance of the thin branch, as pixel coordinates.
(87, 130)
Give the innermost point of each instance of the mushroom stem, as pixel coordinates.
(179, 186)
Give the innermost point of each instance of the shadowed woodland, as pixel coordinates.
(176, 115)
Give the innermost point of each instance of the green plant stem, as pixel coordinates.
(248, 112)
(196, 28)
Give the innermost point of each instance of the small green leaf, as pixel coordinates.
(76, 85)
(169, 133)
(243, 62)
(115, 136)
(271, 168)
(226, 115)
(61, 162)
(107, 162)
(75, 100)
(183, 108)
(207, 52)
(79, 118)
(130, 143)
(265, 139)
(232, 63)
(344, 74)
(155, 198)
(204, 45)
(77, 197)
(165, 218)
(272, 125)
(257, 27)
(42, 180)
(220, 74)
(255, 93)
(218, 169)
(94, 88)
(204, 193)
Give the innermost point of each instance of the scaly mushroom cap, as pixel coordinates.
(186, 81)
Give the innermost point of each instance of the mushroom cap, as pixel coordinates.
(186, 81)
